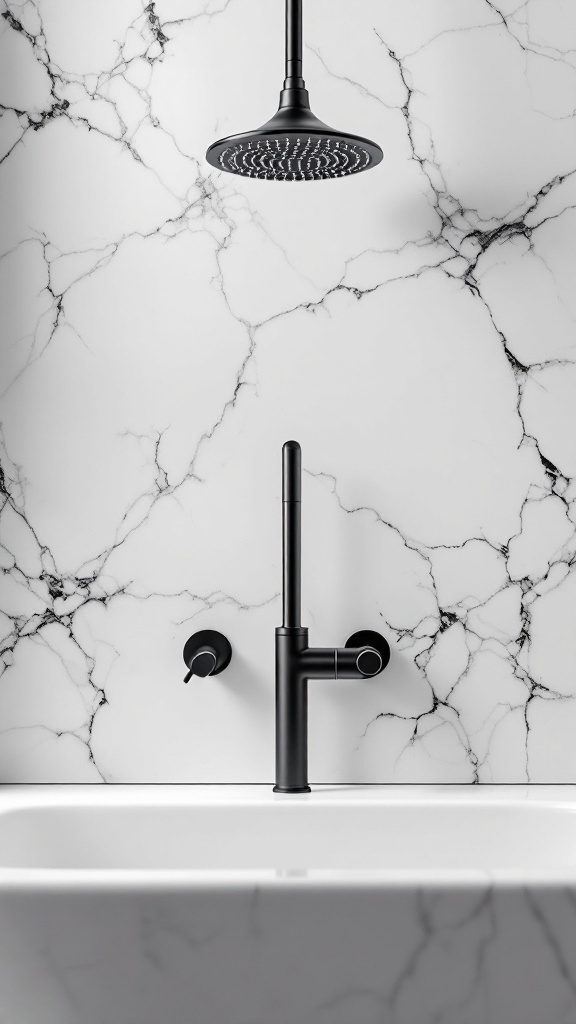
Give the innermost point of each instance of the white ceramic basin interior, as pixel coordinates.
(291, 834)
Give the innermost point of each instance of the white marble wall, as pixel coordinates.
(165, 328)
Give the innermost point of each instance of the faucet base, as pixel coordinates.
(299, 789)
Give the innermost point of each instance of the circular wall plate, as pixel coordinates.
(209, 638)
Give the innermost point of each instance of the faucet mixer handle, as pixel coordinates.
(372, 652)
(206, 653)
(202, 664)
(369, 661)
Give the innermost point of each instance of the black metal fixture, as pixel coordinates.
(365, 654)
(206, 653)
(294, 145)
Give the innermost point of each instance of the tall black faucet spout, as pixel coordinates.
(365, 654)
(291, 533)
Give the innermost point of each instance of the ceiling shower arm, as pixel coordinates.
(294, 96)
(294, 44)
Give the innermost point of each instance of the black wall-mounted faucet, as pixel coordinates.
(365, 655)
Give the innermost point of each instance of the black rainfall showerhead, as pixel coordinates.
(294, 145)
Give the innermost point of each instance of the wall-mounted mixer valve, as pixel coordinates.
(206, 653)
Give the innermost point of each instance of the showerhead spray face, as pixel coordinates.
(294, 145)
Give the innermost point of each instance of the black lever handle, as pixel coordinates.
(206, 653)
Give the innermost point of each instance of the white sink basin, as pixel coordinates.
(207, 829)
(229, 905)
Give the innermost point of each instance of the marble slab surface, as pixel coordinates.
(165, 327)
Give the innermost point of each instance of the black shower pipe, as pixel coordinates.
(294, 41)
